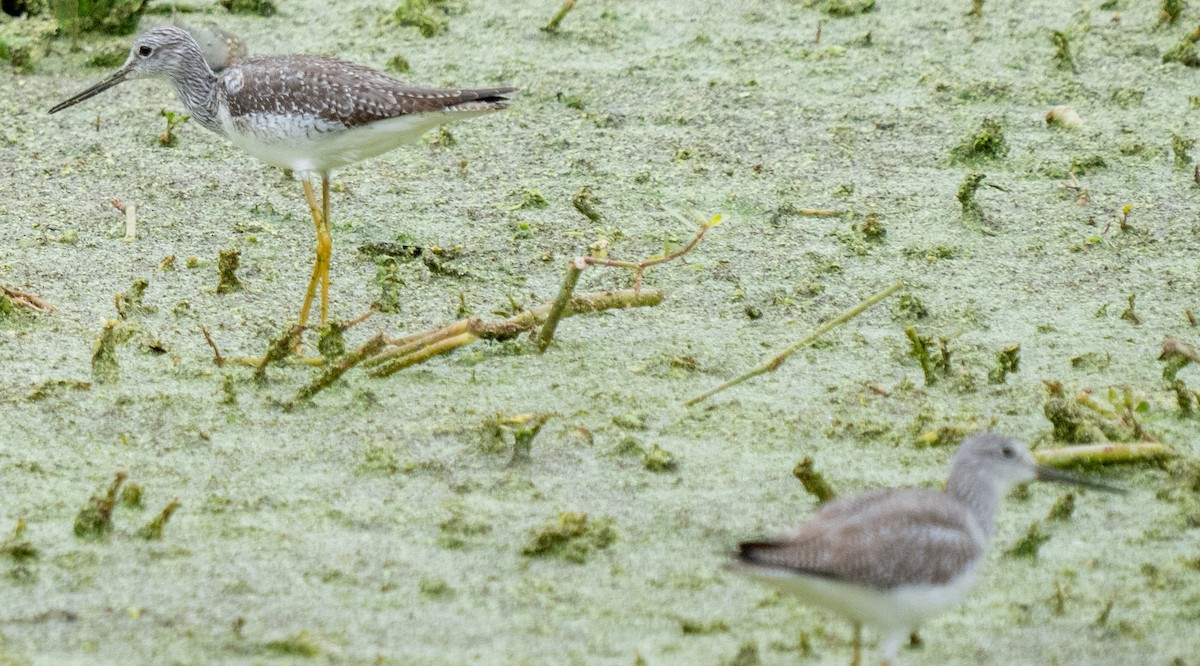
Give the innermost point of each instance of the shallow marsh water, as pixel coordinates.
(380, 521)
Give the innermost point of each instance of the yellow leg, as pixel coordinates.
(325, 247)
(316, 274)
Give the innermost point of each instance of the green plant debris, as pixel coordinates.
(435, 588)
(258, 7)
(1091, 361)
(332, 342)
(552, 25)
(109, 57)
(1085, 420)
(1180, 147)
(460, 529)
(227, 265)
(1184, 52)
(659, 460)
(1081, 166)
(530, 198)
(747, 655)
(17, 546)
(94, 520)
(1176, 355)
(391, 285)
(1185, 398)
(55, 387)
(1171, 9)
(572, 537)
(129, 303)
(132, 496)
(1062, 50)
(523, 428)
(422, 15)
(174, 120)
(988, 143)
(105, 368)
(976, 9)
(442, 138)
(586, 203)
(935, 363)
(813, 481)
(1008, 360)
(972, 212)
(702, 627)
(847, 8)
(153, 530)
(947, 435)
(871, 228)
(299, 645)
(114, 17)
(911, 307)
(398, 64)
(1128, 314)
(1028, 545)
(1063, 507)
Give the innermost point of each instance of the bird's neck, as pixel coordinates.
(979, 492)
(196, 86)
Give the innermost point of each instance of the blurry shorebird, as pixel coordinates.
(892, 558)
(311, 114)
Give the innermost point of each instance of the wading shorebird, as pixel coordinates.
(311, 114)
(892, 558)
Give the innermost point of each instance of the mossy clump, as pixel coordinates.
(435, 588)
(94, 520)
(16, 546)
(972, 212)
(572, 537)
(424, 16)
(257, 7)
(813, 481)
(1184, 52)
(934, 361)
(332, 342)
(153, 530)
(522, 427)
(113, 17)
(986, 144)
(227, 265)
(1063, 508)
(587, 204)
(659, 460)
(132, 496)
(301, 644)
(1028, 545)
(398, 64)
(846, 8)
(129, 303)
(105, 367)
(1008, 360)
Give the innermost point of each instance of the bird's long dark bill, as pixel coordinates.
(1057, 476)
(117, 77)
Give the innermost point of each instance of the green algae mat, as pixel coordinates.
(1028, 170)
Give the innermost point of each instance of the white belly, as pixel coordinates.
(308, 144)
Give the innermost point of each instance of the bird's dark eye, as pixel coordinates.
(1007, 451)
(145, 51)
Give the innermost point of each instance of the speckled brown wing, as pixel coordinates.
(883, 539)
(339, 92)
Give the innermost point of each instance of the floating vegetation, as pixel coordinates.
(586, 203)
(94, 520)
(522, 428)
(812, 480)
(227, 265)
(847, 8)
(424, 15)
(114, 17)
(153, 530)
(659, 460)
(935, 362)
(1063, 58)
(1008, 360)
(1028, 545)
(572, 537)
(1081, 419)
(105, 367)
(258, 7)
(988, 143)
(552, 25)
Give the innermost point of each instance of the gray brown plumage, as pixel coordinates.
(894, 557)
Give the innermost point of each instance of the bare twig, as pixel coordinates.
(775, 361)
(1102, 454)
(217, 360)
(419, 348)
(368, 349)
(574, 270)
(552, 26)
(27, 301)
